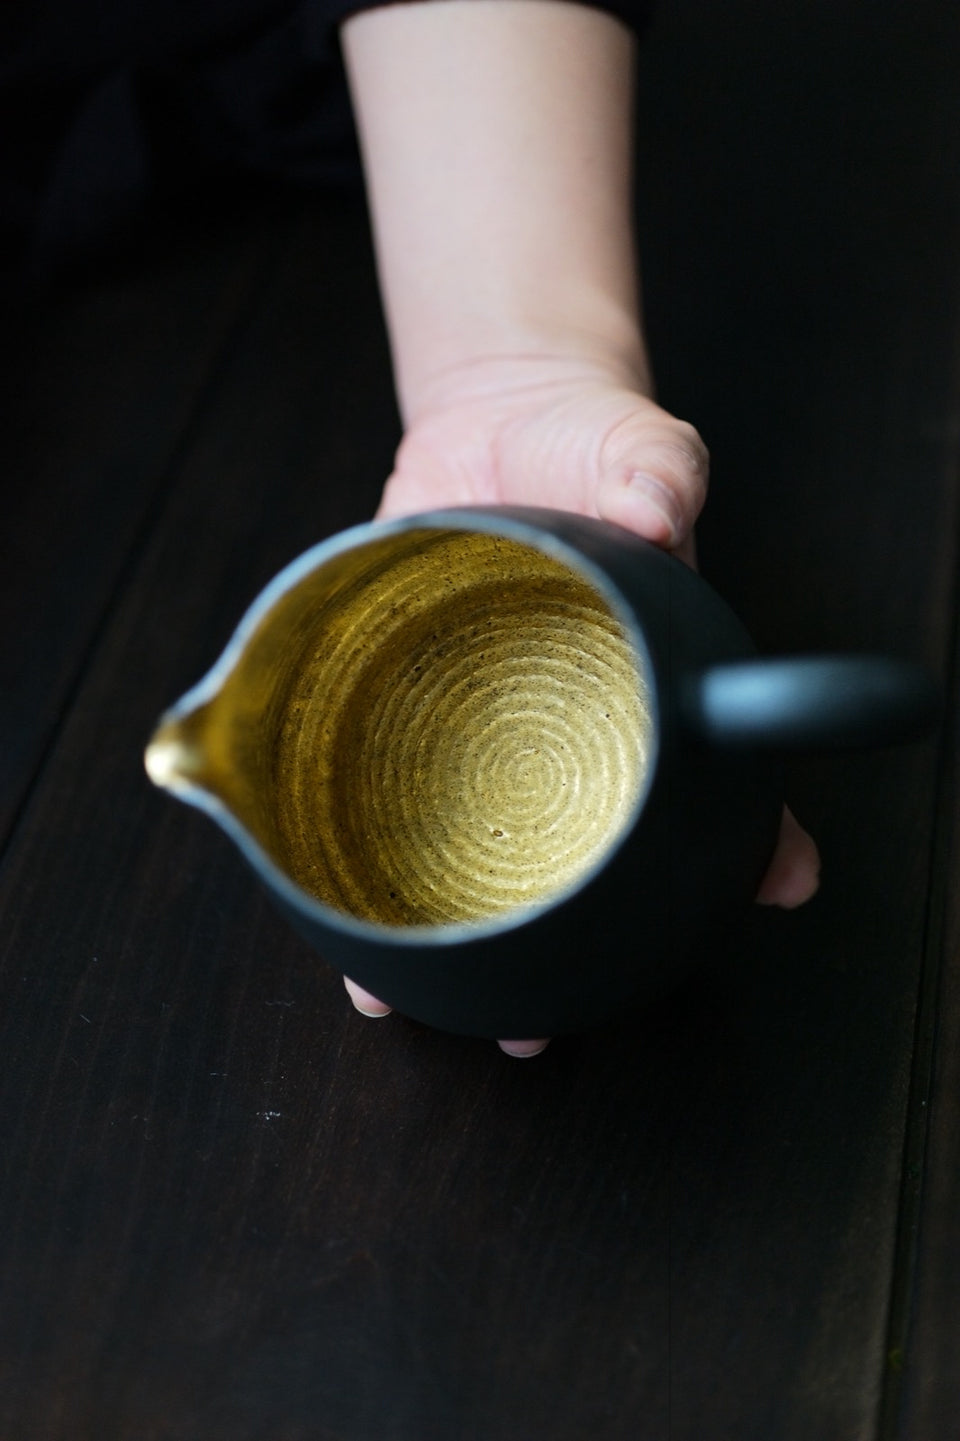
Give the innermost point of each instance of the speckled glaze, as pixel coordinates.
(466, 738)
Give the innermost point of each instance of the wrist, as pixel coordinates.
(520, 356)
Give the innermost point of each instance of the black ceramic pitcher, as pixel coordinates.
(506, 767)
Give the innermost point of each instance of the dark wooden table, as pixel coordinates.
(230, 1207)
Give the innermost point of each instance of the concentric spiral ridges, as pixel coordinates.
(469, 738)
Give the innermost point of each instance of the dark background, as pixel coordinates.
(232, 1208)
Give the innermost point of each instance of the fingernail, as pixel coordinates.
(363, 1002)
(661, 501)
(523, 1049)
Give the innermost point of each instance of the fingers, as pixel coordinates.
(368, 1005)
(523, 1049)
(794, 873)
(653, 479)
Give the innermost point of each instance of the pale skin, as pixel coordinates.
(497, 145)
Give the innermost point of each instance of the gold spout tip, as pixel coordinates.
(167, 762)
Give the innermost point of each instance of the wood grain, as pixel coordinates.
(232, 1208)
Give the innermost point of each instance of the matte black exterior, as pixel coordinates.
(695, 856)
(699, 846)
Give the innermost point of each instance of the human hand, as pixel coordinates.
(571, 436)
(560, 431)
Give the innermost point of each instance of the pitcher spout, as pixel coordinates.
(175, 756)
(213, 751)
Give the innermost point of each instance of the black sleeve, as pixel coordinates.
(633, 13)
(107, 106)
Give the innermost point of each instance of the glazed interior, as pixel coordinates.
(437, 727)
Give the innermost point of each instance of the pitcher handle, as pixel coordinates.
(828, 702)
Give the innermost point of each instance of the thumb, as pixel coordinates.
(653, 476)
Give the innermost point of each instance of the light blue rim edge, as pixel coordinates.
(206, 688)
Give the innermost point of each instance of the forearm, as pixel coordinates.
(497, 147)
